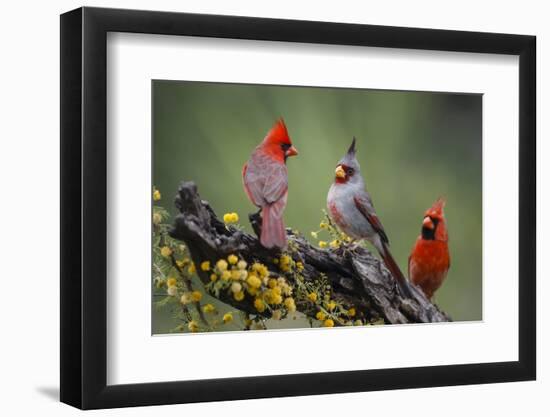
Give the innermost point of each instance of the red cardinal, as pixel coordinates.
(429, 260)
(351, 208)
(265, 181)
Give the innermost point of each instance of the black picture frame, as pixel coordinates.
(84, 207)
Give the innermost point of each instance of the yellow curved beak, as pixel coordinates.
(340, 173)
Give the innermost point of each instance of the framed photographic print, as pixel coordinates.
(259, 208)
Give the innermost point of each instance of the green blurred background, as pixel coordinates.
(413, 147)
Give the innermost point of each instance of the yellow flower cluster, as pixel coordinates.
(171, 286)
(335, 244)
(165, 251)
(290, 304)
(181, 263)
(193, 326)
(156, 195)
(229, 218)
(208, 308)
(234, 275)
(227, 318)
(157, 218)
(337, 236)
(328, 323)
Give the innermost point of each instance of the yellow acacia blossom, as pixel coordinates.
(192, 268)
(239, 296)
(156, 195)
(322, 244)
(276, 315)
(232, 259)
(273, 296)
(290, 304)
(205, 266)
(285, 263)
(320, 315)
(323, 225)
(172, 291)
(221, 265)
(312, 296)
(186, 298)
(157, 218)
(236, 287)
(314, 235)
(213, 277)
(261, 269)
(241, 265)
(196, 296)
(165, 251)
(252, 291)
(226, 275)
(209, 308)
(351, 312)
(299, 266)
(254, 281)
(227, 317)
(259, 305)
(331, 305)
(335, 244)
(171, 282)
(193, 326)
(328, 323)
(230, 218)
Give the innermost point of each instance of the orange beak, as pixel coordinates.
(292, 151)
(428, 223)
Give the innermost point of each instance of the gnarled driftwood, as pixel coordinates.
(357, 278)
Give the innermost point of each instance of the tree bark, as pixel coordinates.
(357, 278)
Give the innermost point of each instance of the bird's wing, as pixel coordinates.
(276, 182)
(365, 206)
(250, 186)
(265, 181)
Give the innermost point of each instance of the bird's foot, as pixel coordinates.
(349, 248)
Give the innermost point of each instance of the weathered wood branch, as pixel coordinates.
(357, 278)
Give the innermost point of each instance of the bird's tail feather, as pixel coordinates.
(273, 229)
(395, 270)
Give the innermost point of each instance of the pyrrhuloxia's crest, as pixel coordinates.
(351, 150)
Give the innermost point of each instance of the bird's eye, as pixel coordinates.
(285, 147)
(349, 171)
